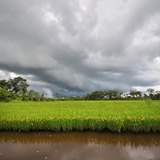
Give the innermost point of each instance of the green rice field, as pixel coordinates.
(115, 116)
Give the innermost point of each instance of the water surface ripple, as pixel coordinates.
(79, 146)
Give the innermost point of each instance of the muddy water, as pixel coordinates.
(78, 146)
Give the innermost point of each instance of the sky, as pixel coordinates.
(72, 47)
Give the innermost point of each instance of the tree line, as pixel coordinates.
(17, 89)
(117, 95)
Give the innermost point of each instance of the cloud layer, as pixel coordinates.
(76, 46)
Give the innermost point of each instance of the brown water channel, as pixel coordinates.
(78, 146)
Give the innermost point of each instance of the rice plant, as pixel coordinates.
(115, 116)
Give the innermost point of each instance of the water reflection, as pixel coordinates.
(79, 146)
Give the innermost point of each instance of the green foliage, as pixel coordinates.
(135, 94)
(32, 95)
(5, 95)
(4, 84)
(100, 95)
(156, 96)
(18, 84)
(17, 88)
(115, 116)
(150, 91)
(13, 88)
(95, 95)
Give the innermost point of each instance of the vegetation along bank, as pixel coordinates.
(115, 116)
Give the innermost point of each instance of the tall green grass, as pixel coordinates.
(116, 116)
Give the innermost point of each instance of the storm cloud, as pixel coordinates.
(77, 46)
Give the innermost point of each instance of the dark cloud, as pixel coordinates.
(75, 46)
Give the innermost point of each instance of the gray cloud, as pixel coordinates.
(76, 46)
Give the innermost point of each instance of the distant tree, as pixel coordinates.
(97, 95)
(42, 98)
(113, 94)
(4, 84)
(18, 84)
(150, 92)
(155, 95)
(135, 94)
(33, 95)
(5, 95)
(17, 88)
